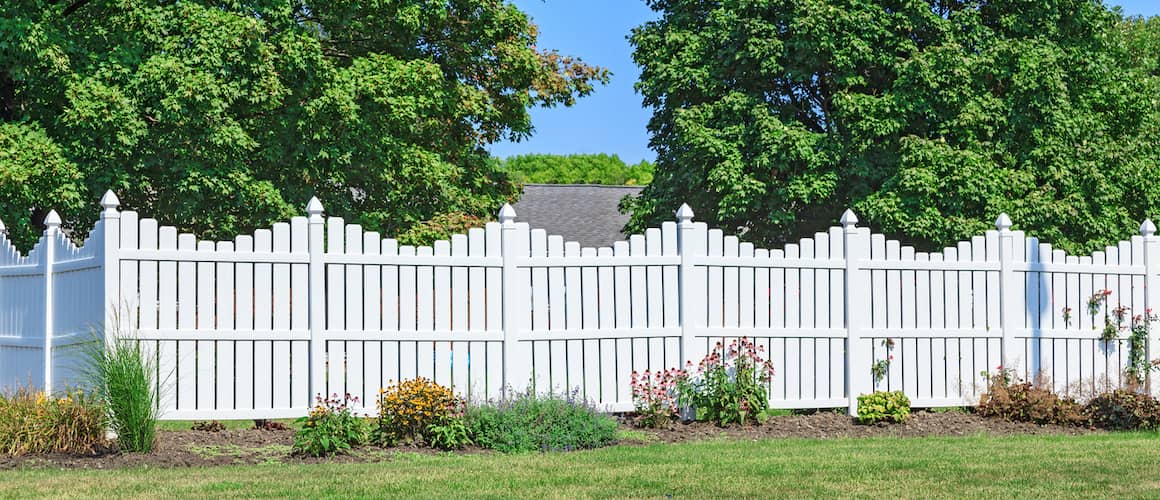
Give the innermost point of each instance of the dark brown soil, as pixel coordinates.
(836, 425)
(252, 446)
(202, 449)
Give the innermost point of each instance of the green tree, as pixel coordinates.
(576, 169)
(33, 174)
(220, 116)
(929, 118)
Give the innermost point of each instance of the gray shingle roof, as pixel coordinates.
(579, 212)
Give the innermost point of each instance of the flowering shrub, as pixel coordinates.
(31, 422)
(882, 406)
(330, 428)
(408, 409)
(531, 422)
(655, 397)
(729, 385)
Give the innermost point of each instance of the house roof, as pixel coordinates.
(584, 213)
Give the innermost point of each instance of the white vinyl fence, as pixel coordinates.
(257, 326)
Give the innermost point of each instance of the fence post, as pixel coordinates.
(517, 360)
(1151, 293)
(1009, 303)
(857, 301)
(111, 242)
(316, 298)
(690, 244)
(51, 233)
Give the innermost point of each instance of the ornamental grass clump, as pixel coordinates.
(545, 422)
(124, 378)
(31, 422)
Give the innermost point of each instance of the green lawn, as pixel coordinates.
(1117, 465)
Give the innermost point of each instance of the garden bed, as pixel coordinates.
(827, 425)
(188, 448)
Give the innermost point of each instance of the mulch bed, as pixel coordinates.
(837, 425)
(253, 446)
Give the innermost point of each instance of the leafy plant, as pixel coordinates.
(31, 422)
(1124, 409)
(882, 406)
(1016, 401)
(124, 378)
(547, 422)
(450, 434)
(330, 428)
(408, 409)
(654, 396)
(729, 385)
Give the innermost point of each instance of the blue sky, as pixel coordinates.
(611, 120)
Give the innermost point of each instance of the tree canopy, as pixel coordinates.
(576, 169)
(928, 117)
(222, 116)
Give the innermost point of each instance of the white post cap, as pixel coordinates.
(507, 214)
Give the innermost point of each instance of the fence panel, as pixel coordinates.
(257, 326)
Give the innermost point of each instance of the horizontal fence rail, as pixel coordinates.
(258, 326)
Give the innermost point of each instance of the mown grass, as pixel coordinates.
(1115, 465)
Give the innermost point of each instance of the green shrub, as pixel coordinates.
(1016, 401)
(31, 422)
(550, 422)
(123, 376)
(729, 385)
(883, 406)
(330, 428)
(1124, 410)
